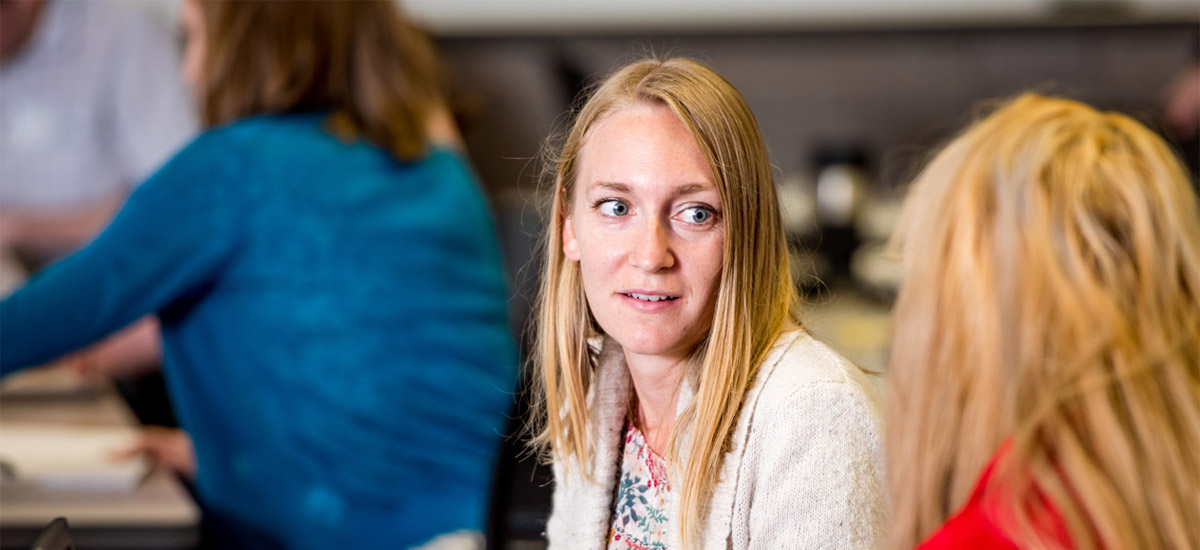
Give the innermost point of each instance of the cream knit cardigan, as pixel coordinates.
(805, 469)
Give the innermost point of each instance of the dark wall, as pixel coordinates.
(893, 92)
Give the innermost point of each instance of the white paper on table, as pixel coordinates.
(61, 457)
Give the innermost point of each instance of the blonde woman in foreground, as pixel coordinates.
(1045, 376)
(683, 405)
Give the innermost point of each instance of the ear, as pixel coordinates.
(569, 243)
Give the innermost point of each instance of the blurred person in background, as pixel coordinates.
(1044, 389)
(1181, 109)
(90, 104)
(329, 286)
(682, 403)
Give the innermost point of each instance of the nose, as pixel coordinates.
(652, 251)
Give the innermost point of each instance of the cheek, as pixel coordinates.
(596, 248)
(600, 262)
(709, 266)
(598, 258)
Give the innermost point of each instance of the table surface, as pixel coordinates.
(159, 503)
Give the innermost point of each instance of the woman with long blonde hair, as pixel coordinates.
(1044, 387)
(678, 388)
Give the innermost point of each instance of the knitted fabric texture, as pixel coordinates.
(805, 469)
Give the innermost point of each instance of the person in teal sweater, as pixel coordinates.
(327, 279)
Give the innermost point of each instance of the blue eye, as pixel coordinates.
(613, 207)
(697, 214)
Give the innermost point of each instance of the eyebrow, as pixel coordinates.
(611, 185)
(687, 189)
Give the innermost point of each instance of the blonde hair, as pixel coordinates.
(755, 297)
(1051, 299)
(376, 73)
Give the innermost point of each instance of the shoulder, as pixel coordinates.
(257, 138)
(802, 372)
(218, 162)
(449, 161)
(812, 464)
(253, 129)
(812, 397)
(216, 147)
(449, 179)
(971, 527)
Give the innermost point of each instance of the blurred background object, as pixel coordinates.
(90, 105)
(1181, 105)
(624, 16)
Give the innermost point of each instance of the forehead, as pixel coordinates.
(644, 145)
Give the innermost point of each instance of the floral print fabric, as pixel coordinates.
(640, 517)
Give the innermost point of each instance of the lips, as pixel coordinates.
(646, 297)
(650, 302)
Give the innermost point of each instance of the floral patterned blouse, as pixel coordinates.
(640, 517)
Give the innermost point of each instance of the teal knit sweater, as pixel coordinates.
(334, 324)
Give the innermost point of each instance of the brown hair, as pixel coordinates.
(360, 60)
(1051, 299)
(756, 300)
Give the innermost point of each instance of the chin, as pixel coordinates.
(651, 345)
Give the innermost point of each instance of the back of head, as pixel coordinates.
(361, 61)
(1052, 298)
(755, 297)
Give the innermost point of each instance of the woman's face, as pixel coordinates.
(646, 228)
(191, 18)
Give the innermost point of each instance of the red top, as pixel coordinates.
(975, 525)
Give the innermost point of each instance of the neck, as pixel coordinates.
(656, 382)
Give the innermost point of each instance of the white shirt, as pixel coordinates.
(90, 106)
